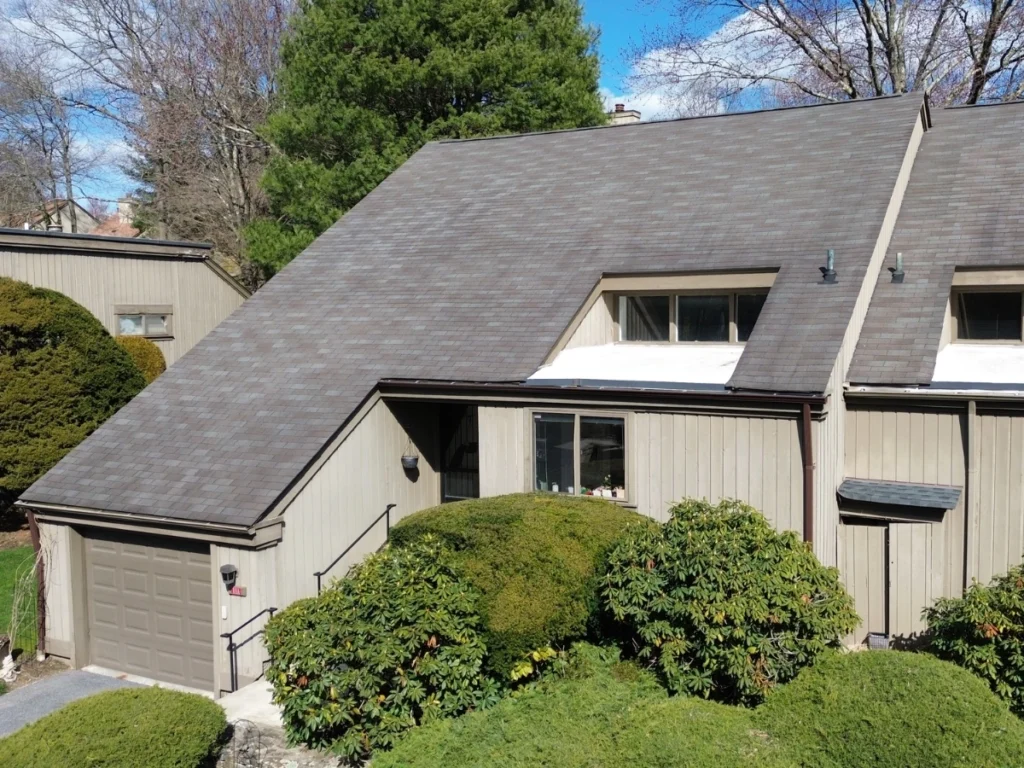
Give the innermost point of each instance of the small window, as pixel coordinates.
(130, 325)
(580, 454)
(644, 318)
(992, 316)
(748, 309)
(151, 325)
(703, 318)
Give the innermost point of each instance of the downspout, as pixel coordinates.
(37, 547)
(805, 419)
(970, 501)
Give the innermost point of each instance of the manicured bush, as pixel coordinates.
(890, 709)
(984, 632)
(723, 605)
(145, 354)
(394, 644)
(605, 715)
(63, 375)
(125, 728)
(537, 561)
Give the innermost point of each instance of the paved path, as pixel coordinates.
(29, 703)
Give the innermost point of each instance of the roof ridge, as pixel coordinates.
(687, 118)
(983, 104)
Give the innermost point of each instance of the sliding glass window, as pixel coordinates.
(553, 435)
(580, 454)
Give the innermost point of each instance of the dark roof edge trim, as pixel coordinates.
(105, 239)
(130, 517)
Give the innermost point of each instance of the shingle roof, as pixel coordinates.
(964, 206)
(470, 260)
(900, 494)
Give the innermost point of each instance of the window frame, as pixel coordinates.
(577, 413)
(955, 318)
(146, 311)
(673, 312)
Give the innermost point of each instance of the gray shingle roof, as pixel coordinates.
(964, 207)
(470, 260)
(900, 494)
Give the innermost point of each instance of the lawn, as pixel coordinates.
(14, 563)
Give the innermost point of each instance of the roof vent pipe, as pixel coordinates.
(897, 273)
(54, 228)
(828, 272)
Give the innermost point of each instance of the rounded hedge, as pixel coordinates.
(125, 728)
(145, 354)
(394, 644)
(892, 709)
(537, 561)
(613, 715)
(983, 631)
(63, 375)
(722, 604)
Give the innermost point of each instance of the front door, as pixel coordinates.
(460, 453)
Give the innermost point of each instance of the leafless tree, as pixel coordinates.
(188, 82)
(770, 52)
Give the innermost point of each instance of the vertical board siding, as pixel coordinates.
(504, 446)
(597, 326)
(756, 460)
(353, 487)
(200, 298)
(54, 540)
(997, 540)
(862, 566)
(915, 576)
(827, 438)
(256, 572)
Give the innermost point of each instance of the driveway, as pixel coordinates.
(27, 704)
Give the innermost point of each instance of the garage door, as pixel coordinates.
(150, 607)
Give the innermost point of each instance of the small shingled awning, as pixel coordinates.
(923, 495)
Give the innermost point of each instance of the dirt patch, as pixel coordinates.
(31, 670)
(12, 539)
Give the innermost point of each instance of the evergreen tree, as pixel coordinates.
(365, 83)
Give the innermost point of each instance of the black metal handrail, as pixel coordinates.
(233, 646)
(386, 514)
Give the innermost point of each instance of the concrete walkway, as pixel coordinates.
(29, 703)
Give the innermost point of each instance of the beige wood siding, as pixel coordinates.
(597, 326)
(862, 567)
(827, 444)
(915, 576)
(200, 298)
(352, 488)
(504, 447)
(257, 571)
(54, 541)
(997, 531)
(757, 460)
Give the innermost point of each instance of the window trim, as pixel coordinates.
(531, 414)
(955, 318)
(124, 310)
(673, 312)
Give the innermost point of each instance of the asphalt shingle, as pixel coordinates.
(900, 494)
(469, 261)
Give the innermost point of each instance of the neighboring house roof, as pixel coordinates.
(37, 217)
(469, 262)
(891, 493)
(964, 207)
(115, 226)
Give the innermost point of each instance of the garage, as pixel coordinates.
(150, 607)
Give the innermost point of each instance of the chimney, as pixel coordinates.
(621, 115)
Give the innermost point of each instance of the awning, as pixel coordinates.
(889, 493)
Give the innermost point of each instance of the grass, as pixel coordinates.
(14, 563)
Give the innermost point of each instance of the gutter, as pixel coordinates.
(139, 519)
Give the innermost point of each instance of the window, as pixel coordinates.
(580, 454)
(726, 317)
(152, 322)
(988, 316)
(644, 318)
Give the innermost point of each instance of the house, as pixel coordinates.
(173, 293)
(696, 307)
(54, 216)
(121, 223)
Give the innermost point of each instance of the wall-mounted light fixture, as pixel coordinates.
(828, 272)
(229, 575)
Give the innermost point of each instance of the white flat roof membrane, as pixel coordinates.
(644, 363)
(980, 364)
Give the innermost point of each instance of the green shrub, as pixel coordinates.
(604, 715)
(126, 728)
(891, 709)
(394, 644)
(145, 354)
(537, 561)
(63, 375)
(984, 632)
(723, 605)
(3, 687)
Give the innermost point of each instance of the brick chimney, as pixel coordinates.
(621, 115)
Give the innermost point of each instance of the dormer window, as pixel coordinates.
(693, 316)
(988, 316)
